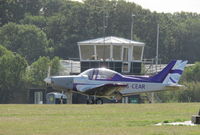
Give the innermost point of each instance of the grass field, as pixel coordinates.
(107, 119)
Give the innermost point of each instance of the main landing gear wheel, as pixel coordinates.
(99, 101)
(90, 101)
(95, 101)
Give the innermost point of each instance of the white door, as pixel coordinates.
(125, 64)
(125, 100)
(38, 96)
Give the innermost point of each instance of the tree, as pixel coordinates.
(66, 22)
(52, 7)
(55, 66)
(14, 10)
(39, 21)
(27, 40)
(192, 73)
(38, 71)
(12, 71)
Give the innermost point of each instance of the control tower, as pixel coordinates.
(119, 54)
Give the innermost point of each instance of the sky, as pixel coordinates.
(169, 6)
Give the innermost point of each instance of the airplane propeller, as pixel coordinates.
(48, 78)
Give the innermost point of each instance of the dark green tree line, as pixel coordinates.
(27, 40)
(13, 67)
(67, 22)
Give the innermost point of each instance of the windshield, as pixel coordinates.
(99, 73)
(105, 74)
(88, 73)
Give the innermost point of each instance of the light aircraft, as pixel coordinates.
(102, 82)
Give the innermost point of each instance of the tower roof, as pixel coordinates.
(110, 40)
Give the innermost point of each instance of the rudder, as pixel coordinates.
(171, 73)
(175, 73)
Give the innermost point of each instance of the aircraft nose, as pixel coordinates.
(48, 80)
(64, 82)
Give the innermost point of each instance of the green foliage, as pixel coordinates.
(39, 21)
(192, 92)
(14, 10)
(55, 66)
(189, 94)
(12, 72)
(52, 7)
(3, 51)
(67, 22)
(38, 71)
(192, 73)
(27, 40)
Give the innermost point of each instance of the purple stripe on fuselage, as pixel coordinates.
(129, 79)
(74, 87)
(84, 84)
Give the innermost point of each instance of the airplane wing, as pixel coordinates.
(105, 89)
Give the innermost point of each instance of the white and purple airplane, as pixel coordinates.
(102, 82)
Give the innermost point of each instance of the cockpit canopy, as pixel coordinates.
(99, 73)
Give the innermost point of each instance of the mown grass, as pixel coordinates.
(107, 119)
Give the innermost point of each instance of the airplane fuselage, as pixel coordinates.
(82, 84)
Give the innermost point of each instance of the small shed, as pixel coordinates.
(119, 54)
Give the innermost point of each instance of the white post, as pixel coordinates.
(95, 52)
(142, 53)
(152, 97)
(69, 96)
(157, 47)
(132, 26)
(152, 94)
(79, 48)
(111, 52)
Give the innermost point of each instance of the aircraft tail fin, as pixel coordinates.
(171, 73)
